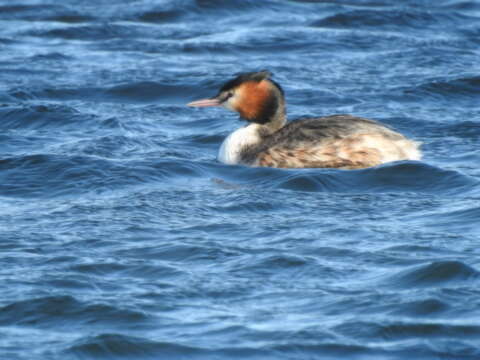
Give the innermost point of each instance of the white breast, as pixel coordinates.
(233, 145)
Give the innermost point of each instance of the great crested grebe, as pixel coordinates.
(336, 141)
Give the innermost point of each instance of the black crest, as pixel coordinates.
(250, 76)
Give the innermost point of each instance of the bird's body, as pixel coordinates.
(337, 141)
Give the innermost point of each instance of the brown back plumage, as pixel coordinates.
(338, 141)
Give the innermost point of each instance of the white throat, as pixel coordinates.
(234, 143)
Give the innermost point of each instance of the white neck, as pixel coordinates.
(234, 143)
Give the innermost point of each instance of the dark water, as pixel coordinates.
(123, 238)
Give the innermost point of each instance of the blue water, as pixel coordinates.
(122, 237)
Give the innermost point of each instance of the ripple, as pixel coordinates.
(466, 129)
(60, 310)
(461, 5)
(405, 330)
(63, 175)
(393, 177)
(141, 92)
(27, 12)
(182, 253)
(159, 15)
(279, 262)
(45, 12)
(90, 32)
(108, 345)
(98, 268)
(52, 56)
(243, 5)
(111, 146)
(427, 307)
(39, 116)
(149, 91)
(457, 88)
(458, 221)
(390, 19)
(438, 273)
(49, 175)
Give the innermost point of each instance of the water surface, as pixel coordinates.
(122, 237)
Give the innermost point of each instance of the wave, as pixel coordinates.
(37, 117)
(159, 16)
(54, 311)
(47, 175)
(464, 87)
(426, 308)
(149, 91)
(438, 273)
(459, 221)
(91, 32)
(53, 175)
(387, 19)
(461, 5)
(115, 345)
(393, 177)
(46, 12)
(133, 92)
(246, 5)
(407, 330)
(466, 129)
(168, 11)
(108, 345)
(50, 57)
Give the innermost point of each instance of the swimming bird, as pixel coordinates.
(336, 141)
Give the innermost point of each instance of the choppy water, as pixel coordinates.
(122, 237)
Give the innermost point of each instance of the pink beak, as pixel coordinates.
(205, 103)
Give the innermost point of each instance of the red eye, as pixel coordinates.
(228, 96)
